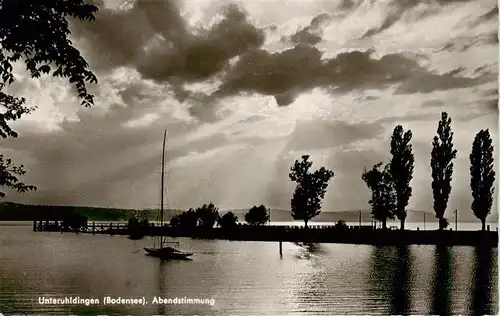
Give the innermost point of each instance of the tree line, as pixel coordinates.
(390, 183)
(207, 215)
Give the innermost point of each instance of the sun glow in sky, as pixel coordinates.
(244, 88)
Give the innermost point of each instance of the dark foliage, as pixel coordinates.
(75, 221)
(257, 215)
(8, 176)
(207, 215)
(228, 220)
(443, 223)
(383, 201)
(482, 175)
(401, 170)
(310, 190)
(341, 224)
(138, 220)
(187, 220)
(442, 156)
(133, 222)
(37, 33)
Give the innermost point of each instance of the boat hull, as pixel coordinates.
(168, 254)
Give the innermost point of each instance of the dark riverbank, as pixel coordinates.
(328, 234)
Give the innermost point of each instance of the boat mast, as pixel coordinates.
(162, 184)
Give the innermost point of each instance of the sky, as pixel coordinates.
(245, 88)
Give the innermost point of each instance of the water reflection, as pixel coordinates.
(403, 277)
(7, 300)
(161, 285)
(391, 276)
(482, 283)
(442, 279)
(309, 250)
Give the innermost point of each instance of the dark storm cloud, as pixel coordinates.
(430, 82)
(312, 33)
(302, 68)
(153, 37)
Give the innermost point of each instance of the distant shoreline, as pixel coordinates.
(10, 212)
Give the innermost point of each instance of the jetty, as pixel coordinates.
(367, 235)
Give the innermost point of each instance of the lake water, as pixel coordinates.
(243, 278)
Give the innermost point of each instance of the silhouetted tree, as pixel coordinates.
(383, 201)
(310, 190)
(257, 215)
(175, 221)
(228, 220)
(37, 32)
(187, 220)
(139, 217)
(207, 215)
(341, 224)
(133, 222)
(137, 225)
(401, 170)
(75, 221)
(482, 175)
(442, 156)
(8, 176)
(443, 223)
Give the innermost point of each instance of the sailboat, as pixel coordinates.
(159, 249)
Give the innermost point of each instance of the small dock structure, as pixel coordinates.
(91, 227)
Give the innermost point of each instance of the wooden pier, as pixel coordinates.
(90, 228)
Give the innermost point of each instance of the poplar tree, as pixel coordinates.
(442, 156)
